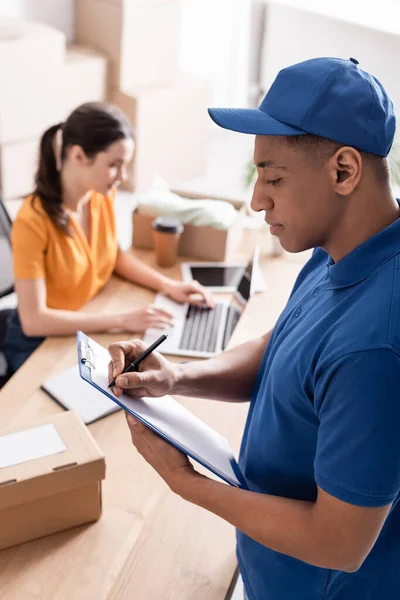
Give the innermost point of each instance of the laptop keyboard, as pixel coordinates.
(200, 331)
(232, 319)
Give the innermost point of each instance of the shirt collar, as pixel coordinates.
(361, 262)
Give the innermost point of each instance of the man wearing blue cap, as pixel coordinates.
(321, 448)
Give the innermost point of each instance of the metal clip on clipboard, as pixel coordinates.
(88, 356)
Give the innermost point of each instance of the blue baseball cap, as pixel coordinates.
(329, 97)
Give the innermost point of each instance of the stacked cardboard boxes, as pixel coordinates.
(30, 58)
(84, 77)
(43, 82)
(140, 37)
(128, 53)
(171, 127)
(166, 108)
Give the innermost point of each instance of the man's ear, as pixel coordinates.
(345, 167)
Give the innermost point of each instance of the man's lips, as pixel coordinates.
(274, 226)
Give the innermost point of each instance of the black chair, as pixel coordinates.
(6, 284)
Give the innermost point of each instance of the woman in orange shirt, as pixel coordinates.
(64, 237)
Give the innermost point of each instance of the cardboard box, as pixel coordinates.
(142, 40)
(32, 56)
(55, 492)
(171, 129)
(84, 77)
(207, 243)
(18, 164)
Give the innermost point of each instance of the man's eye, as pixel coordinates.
(274, 181)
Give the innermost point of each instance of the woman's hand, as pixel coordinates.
(156, 376)
(191, 292)
(149, 316)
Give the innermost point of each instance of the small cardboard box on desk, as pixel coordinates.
(50, 479)
(207, 243)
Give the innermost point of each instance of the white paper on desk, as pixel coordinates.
(69, 389)
(175, 422)
(23, 446)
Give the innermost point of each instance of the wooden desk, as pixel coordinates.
(149, 543)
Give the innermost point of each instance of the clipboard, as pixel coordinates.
(165, 416)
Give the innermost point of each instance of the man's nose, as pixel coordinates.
(260, 199)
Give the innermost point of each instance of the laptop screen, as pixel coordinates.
(216, 276)
(246, 284)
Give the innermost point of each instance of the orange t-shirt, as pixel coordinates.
(74, 267)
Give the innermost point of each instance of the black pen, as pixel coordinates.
(132, 366)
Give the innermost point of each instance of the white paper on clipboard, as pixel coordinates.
(168, 418)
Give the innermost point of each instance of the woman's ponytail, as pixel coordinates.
(93, 126)
(48, 180)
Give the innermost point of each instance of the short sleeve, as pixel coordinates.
(29, 241)
(358, 449)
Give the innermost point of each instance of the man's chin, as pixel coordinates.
(292, 246)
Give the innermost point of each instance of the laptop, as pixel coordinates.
(202, 332)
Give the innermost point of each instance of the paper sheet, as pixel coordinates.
(175, 422)
(31, 444)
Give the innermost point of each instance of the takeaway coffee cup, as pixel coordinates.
(166, 232)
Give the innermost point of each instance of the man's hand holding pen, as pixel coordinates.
(155, 376)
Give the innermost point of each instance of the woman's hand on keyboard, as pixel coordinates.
(148, 317)
(191, 292)
(156, 376)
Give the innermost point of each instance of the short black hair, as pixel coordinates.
(321, 149)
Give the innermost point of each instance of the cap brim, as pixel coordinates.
(252, 121)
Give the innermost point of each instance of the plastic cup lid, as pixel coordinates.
(167, 225)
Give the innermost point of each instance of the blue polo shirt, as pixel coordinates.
(326, 411)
